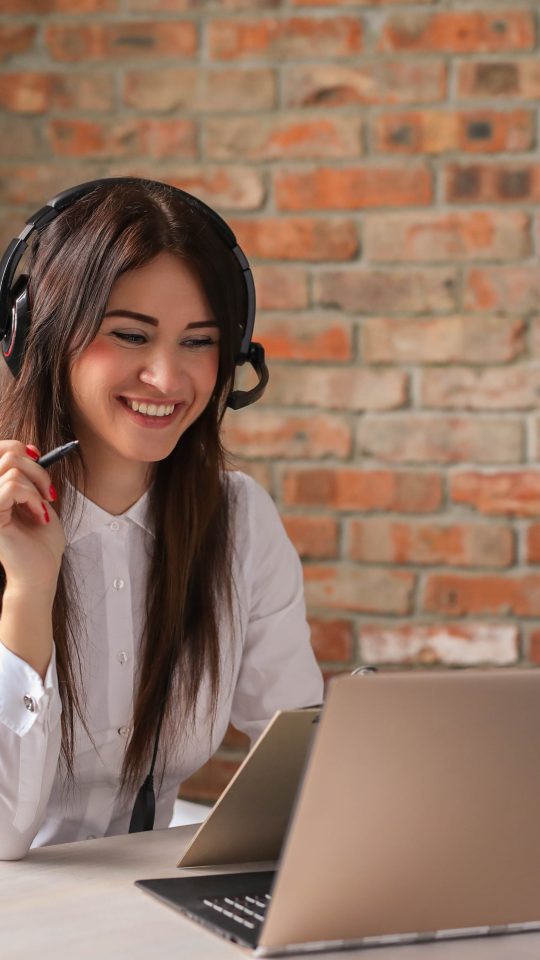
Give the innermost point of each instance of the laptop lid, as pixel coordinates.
(249, 820)
(419, 813)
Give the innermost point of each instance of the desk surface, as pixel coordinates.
(78, 900)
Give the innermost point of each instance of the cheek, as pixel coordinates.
(95, 367)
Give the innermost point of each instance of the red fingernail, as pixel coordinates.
(45, 512)
(52, 493)
(32, 453)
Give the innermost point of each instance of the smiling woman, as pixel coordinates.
(159, 598)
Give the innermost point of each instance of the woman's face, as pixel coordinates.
(157, 350)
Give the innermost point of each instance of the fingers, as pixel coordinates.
(14, 456)
(17, 491)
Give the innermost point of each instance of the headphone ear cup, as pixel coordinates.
(14, 341)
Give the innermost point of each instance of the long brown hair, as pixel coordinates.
(73, 265)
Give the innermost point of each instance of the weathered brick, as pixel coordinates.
(442, 131)
(535, 324)
(363, 589)
(314, 537)
(283, 137)
(499, 78)
(15, 38)
(124, 138)
(353, 488)
(19, 138)
(533, 543)
(336, 388)
(264, 433)
(400, 291)
(40, 7)
(504, 287)
(24, 184)
(38, 93)
(295, 238)
(289, 38)
(102, 41)
(478, 339)
(515, 493)
(452, 644)
(332, 639)
(357, 188)
(199, 90)
(459, 31)
(381, 81)
(429, 438)
(280, 288)
(382, 540)
(260, 470)
(497, 594)
(310, 337)
(460, 235)
(533, 646)
(492, 182)
(509, 388)
(224, 188)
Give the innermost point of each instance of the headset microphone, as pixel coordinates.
(15, 313)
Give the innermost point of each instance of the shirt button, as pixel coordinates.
(118, 583)
(29, 703)
(122, 656)
(124, 732)
(114, 525)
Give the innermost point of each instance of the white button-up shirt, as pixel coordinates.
(267, 664)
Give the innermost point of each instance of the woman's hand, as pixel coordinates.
(31, 536)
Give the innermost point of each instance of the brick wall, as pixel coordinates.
(378, 161)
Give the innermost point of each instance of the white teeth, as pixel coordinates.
(151, 409)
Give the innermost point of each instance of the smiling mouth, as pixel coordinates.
(158, 411)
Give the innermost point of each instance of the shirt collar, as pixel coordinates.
(87, 517)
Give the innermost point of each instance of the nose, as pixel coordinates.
(165, 372)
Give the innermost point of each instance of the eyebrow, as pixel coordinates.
(153, 321)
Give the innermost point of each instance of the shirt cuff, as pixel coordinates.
(24, 696)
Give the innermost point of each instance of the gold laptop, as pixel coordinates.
(418, 818)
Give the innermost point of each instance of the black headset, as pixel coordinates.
(15, 314)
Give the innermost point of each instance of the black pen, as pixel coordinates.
(48, 458)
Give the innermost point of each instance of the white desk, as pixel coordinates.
(77, 901)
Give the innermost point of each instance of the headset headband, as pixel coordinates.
(14, 297)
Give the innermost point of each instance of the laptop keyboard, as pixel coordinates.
(247, 911)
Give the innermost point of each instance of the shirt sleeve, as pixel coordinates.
(278, 669)
(30, 735)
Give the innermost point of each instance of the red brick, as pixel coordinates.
(40, 7)
(19, 139)
(124, 138)
(395, 291)
(357, 188)
(224, 188)
(259, 470)
(310, 337)
(198, 90)
(481, 79)
(353, 488)
(363, 589)
(441, 131)
(15, 39)
(381, 81)
(452, 644)
(439, 236)
(509, 493)
(533, 544)
(509, 388)
(331, 639)
(24, 184)
(533, 647)
(120, 41)
(337, 388)
(210, 780)
(353, 3)
(283, 137)
(295, 238)
(314, 537)
(429, 438)
(500, 594)
(492, 182)
(280, 288)
(382, 540)
(463, 31)
(535, 324)
(478, 339)
(293, 38)
(38, 93)
(264, 433)
(503, 288)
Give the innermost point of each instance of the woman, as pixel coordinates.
(150, 597)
